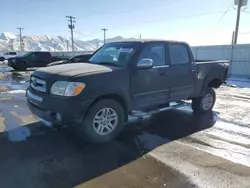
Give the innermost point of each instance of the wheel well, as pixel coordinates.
(115, 97)
(215, 83)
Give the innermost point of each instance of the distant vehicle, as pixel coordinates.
(75, 59)
(7, 55)
(32, 59)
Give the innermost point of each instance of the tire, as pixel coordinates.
(2, 58)
(204, 103)
(88, 130)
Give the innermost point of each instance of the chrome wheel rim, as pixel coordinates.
(105, 121)
(207, 101)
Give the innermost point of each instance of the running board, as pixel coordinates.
(136, 115)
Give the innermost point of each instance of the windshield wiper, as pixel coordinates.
(107, 63)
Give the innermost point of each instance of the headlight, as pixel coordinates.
(64, 88)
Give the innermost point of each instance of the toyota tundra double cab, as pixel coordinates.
(123, 78)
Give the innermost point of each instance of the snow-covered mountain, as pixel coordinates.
(10, 41)
(7, 36)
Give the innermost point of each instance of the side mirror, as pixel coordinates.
(145, 63)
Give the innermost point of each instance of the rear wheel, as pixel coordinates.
(103, 122)
(204, 103)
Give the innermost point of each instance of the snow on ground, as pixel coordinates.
(236, 82)
(230, 136)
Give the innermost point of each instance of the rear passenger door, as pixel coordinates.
(182, 71)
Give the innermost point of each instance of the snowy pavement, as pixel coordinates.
(191, 151)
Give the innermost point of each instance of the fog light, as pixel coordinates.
(58, 117)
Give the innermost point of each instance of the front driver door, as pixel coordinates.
(150, 87)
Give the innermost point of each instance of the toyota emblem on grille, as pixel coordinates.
(34, 82)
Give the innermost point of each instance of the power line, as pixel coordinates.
(87, 35)
(71, 27)
(93, 33)
(175, 18)
(104, 35)
(222, 16)
(20, 37)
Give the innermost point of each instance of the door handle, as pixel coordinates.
(192, 70)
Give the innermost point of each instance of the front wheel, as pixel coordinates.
(103, 122)
(204, 103)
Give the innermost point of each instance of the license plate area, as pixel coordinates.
(34, 98)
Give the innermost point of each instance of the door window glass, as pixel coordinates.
(154, 51)
(178, 54)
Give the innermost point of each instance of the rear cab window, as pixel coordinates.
(178, 54)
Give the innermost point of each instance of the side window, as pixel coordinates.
(75, 60)
(40, 56)
(33, 55)
(154, 51)
(178, 54)
(12, 53)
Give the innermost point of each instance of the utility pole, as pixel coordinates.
(21, 40)
(12, 44)
(67, 41)
(240, 4)
(104, 35)
(71, 26)
(140, 36)
(232, 42)
(54, 45)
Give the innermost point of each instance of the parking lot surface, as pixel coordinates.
(172, 149)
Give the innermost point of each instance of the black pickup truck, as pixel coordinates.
(32, 59)
(74, 59)
(120, 80)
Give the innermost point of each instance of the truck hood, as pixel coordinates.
(67, 71)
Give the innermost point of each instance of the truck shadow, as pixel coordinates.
(51, 158)
(168, 126)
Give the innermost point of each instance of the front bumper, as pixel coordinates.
(57, 109)
(11, 64)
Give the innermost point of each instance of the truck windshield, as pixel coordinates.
(115, 53)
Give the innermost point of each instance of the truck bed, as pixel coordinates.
(208, 70)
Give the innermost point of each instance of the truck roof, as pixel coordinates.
(147, 40)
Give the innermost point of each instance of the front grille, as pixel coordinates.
(38, 84)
